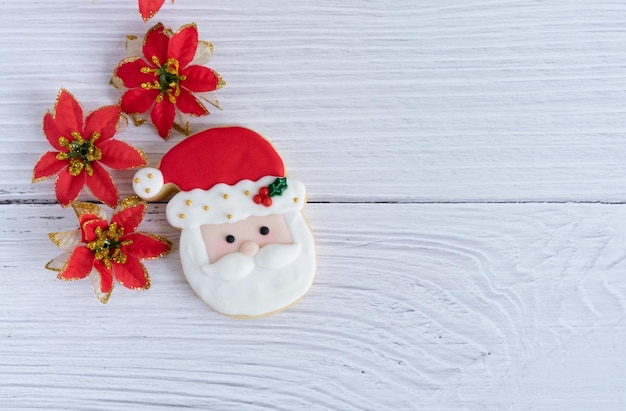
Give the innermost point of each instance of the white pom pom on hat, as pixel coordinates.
(148, 183)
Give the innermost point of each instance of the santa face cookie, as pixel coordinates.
(245, 246)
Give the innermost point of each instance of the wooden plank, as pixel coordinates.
(367, 101)
(414, 306)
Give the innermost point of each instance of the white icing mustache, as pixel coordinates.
(236, 265)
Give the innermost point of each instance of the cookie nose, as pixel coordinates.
(249, 248)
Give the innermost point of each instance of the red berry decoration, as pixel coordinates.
(266, 193)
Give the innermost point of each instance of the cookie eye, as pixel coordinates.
(230, 238)
(264, 230)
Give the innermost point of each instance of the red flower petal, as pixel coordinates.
(79, 265)
(121, 156)
(130, 217)
(52, 132)
(188, 104)
(138, 100)
(129, 71)
(104, 121)
(146, 245)
(47, 166)
(85, 219)
(106, 277)
(162, 116)
(102, 186)
(132, 274)
(68, 187)
(148, 8)
(183, 44)
(155, 45)
(199, 79)
(88, 229)
(68, 114)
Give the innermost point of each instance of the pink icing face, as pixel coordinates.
(245, 236)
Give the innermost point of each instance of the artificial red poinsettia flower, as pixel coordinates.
(108, 250)
(148, 8)
(82, 146)
(165, 77)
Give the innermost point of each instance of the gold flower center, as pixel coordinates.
(167, 78)
(80, 152)
(106, 246)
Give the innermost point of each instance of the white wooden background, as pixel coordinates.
(465, 162)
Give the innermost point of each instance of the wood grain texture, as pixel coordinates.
(414, 307)
(444, 146)
(367, 101)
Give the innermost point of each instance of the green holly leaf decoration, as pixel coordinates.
(277, 187)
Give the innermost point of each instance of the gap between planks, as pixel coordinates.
(460, 202)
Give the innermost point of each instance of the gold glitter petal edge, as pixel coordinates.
(215, 103)
(60, 238)
(132, 201)
(157, 26)
(96, 282)
(125, 60)
(182, 129)
(143, 156)
(59, 262)
(107, 107)
(56, 181)
(192, 115)
(146, 276)
(130, 38)
(204, 54)
(167, 136)
(117, 192)
(117, 83)
(122, 123)
(49, 266)
(208, 44)
(187, 26)
(104, 298)
(56, 102)
(40, 179)
(161, 239)
(62, 270)
(220, 81)
(81, 208)
(138, 121)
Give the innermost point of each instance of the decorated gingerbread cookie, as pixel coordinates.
(245, 246)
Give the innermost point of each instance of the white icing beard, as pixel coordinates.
(237, 265)
(238, 285)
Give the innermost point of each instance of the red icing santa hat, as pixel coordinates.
(224, 175)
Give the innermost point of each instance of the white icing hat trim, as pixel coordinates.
(226, 204)
(148, 182)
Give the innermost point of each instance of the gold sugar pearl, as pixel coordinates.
(137, 180)
(181, 216)
(247, 192)
(295, 199)
(225, 196)
(147, 190)
(188, 202)
(206, 208)
(230, 216)
(150, 175)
